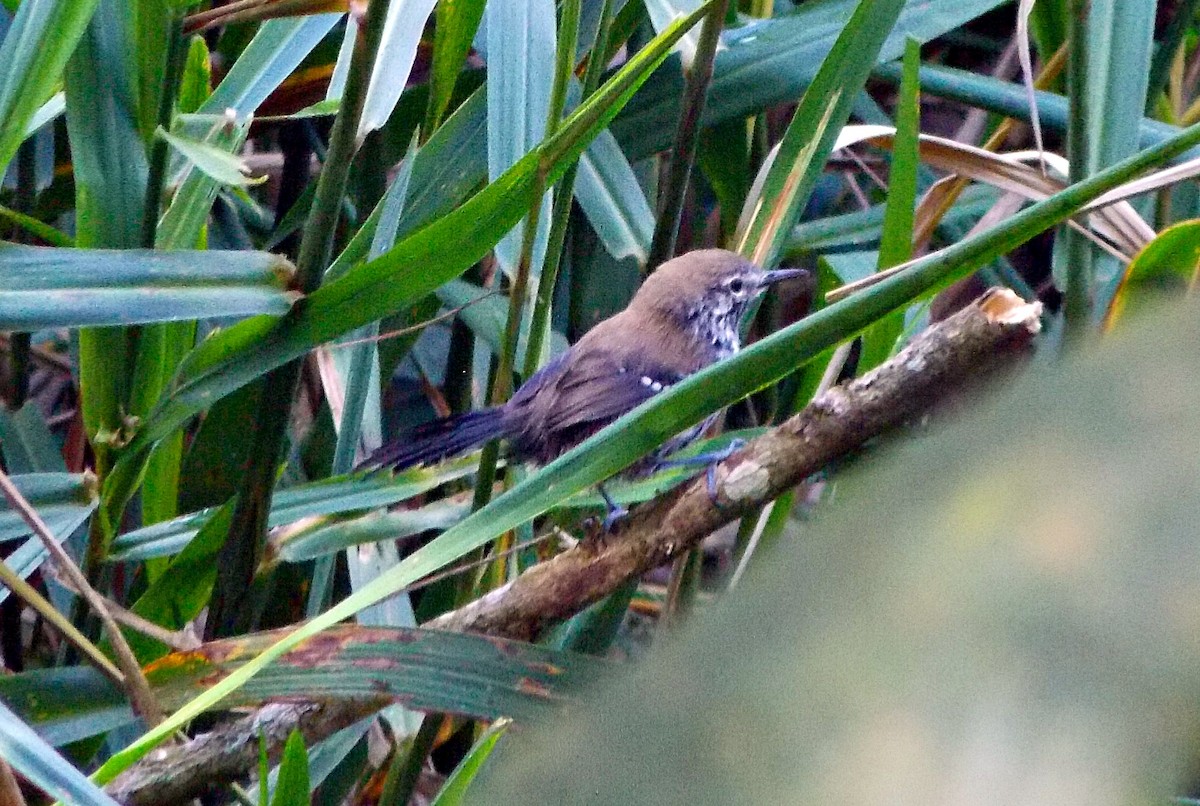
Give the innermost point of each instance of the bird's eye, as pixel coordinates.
(737, 286)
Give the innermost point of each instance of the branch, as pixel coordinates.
(982, 337)
(132, 679)
(179, 773)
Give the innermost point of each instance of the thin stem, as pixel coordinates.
(29, 594)
(687, 135)
(1160, 65)
(502, 381)
(405, 770)
(502, 384)
(240, 554)
(24, 199)
(540, 325)
(156, 176)
(177, 641)
(138, 690)
(1077, 296)
(564, 62)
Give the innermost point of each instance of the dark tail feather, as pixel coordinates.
(439, 439)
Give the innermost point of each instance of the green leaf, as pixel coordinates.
(402, 30)
(1167, 266)
(45, 287)
(1120, 47)
(110, 171)
(325, 538)
(457, 21)
(485, 313)
(85, 702)
(331, 496)
(183, 590)
(28, 754)
(447, 169)
(772, 62)
(195, 84)
(291, 789)
(183, 222)
(36, 47)
(37, 228)
(216, 163)
(520, 55)
(608, 191)
(26, 442)
(60, 498)
(64, 500)
(800, 157)
(455, 788)
(428, 670)
(882, 338)
(276, 50)
(152, 22)
(358, 365)
(217, 453)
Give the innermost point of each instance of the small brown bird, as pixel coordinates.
(686, 316)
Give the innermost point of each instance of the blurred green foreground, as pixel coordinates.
(1015, 619)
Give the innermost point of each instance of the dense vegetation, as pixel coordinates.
(246, 243)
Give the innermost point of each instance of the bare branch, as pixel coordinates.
(136, 687)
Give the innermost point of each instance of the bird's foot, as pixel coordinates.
(614, 516)
(596, 532)
(615, 512)
(709, 460)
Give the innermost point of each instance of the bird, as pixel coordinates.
(686, 316)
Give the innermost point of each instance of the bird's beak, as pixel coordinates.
(772, 277)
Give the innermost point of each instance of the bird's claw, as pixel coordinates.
(710, 461)
(615, 514)
(596, 531)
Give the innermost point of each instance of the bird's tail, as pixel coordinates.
(439, 439)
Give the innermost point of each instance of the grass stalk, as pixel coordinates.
(1078, 290)
(133, 681)
(159, 151)
(540, 323)
(502, 383)
(240, 554)
(1172, 38)
(687, 136)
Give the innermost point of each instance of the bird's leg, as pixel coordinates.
(709, 460)
(615, 511)
(596, 532)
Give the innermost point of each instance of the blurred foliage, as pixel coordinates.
(976, 633)
(241, 245)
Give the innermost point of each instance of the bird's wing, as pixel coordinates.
(599, 388)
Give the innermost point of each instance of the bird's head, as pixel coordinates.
(708, 291)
